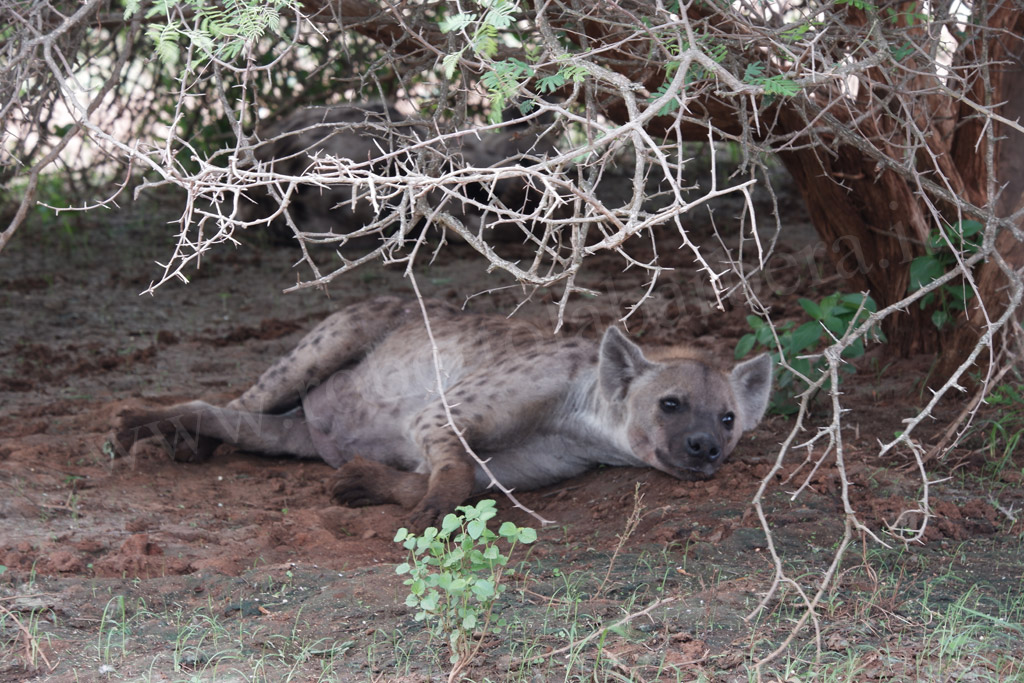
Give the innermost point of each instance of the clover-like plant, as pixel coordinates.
(455, 575)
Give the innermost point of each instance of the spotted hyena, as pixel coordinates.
(360, 391)
(382, 135)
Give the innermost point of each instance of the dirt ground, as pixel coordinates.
(241, 568)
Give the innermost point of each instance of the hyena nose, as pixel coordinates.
(701, 445)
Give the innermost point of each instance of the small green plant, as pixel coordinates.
(831, 317)
(1002, 433)
(952, 297)
(114, 630)
(455, 575)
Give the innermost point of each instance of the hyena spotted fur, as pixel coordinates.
(369, 132)
(360, 392)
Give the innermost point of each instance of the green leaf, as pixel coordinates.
(475, 527)
(485, 45)
(483, 589)
(165, 38)
(960, 294)
(527, 535)
(813, 309)
(745, 344)
(549, 84)
(795, 34)
(968, 228)
(804, 337)
(764, 336)
(457, 22)
(924, 270)
(853, 302)
(836, 326)
(903, 51)
(449, 63)
(500, 15)
(778, 85)
(753, 72)
(486, 509)
(940, 318)
(449, 524)
(854, 350)
(803, 367)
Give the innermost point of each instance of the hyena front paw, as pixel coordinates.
(356, 484)
(361, 482)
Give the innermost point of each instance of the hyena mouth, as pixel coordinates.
(686, 471)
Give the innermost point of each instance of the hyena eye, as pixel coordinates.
(670, 404)
(727, 420)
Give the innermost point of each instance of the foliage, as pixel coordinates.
(455, 573)
(502, 78)
(831, 319)
(216, 32)
(944, 249)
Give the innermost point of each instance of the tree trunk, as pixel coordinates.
(872, 228)
(1006, 52)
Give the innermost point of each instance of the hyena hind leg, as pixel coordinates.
(189, 424)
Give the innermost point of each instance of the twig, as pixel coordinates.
(631, 524)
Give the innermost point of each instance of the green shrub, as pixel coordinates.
(952, 297)
(831, 317)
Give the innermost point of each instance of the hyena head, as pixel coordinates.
(682, 416)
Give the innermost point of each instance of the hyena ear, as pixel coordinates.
(621, 362)
(752, 386)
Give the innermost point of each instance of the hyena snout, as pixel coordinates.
(692, 454)
(702, 446)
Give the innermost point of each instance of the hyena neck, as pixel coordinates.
(594, 419)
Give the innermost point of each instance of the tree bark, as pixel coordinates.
(871, 226)
(969, 150)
